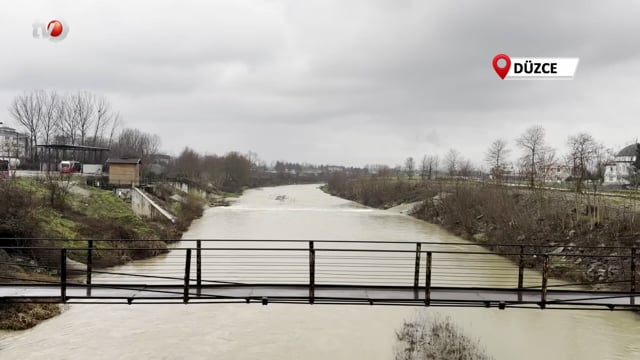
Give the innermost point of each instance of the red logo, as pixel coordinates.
(54, 28)
(502, 70)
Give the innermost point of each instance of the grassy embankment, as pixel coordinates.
(496, 216)
(55, 213)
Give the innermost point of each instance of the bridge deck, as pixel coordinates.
(336, 272)
(370, 295)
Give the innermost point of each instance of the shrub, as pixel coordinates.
(191, 208)
(435, 339)
(24, 316)
(17, 207)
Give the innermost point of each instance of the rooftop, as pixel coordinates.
(629, 150)
(72, 147)
(125, 161)
(9, 130)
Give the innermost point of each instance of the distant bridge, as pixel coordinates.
(326, 272)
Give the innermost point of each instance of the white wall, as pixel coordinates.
(144, 206)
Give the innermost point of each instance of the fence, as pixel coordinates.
(308, 265)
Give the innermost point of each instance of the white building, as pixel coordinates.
(556, 173)
(13, 144)
(617, 171)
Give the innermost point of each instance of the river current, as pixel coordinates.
(277, 331)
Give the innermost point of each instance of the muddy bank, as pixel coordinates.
(583, 233)
(43, 213)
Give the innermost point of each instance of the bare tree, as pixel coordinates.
(116, 123)
(253, 157)
(103, 119)
(451, 161)
(214, 169)
(26, 109)
(397, 172)
(84, 108)
(603, 156)
(433, 166)
(545, 162)
(466, 168)
(50, 121)
(533, 144)
(68, 121)
(409, 166)
(582, 152)
(424, 167)
(188, 164)
(135, 143)
(496, 157)
(429, 166)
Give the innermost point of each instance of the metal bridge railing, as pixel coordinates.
(197, 264)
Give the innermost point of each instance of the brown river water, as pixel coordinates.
(279, 331)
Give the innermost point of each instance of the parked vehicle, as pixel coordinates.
(70, 167)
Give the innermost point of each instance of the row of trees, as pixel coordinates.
(230, 172)
(585, 160)
(80, 118)
(77, 119)
(429, 167)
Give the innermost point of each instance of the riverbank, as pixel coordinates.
(585, 225)
(61, 212)
(234, 331)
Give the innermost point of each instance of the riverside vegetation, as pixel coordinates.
(435, 338)
(583, 224)
(55, 212)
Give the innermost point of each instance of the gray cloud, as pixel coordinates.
(352, 82)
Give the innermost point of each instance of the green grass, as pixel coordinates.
(105, 205)
(33, 186)
(54, 225)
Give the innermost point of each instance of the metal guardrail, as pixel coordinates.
(199, 265)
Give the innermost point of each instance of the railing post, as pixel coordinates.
(187, 273)
(521, 268)
(427, 279)
(199, 267)
(63, 274)
(312, 272)
(632, 287)
(416, 274)
(89, 265)
(545, 277)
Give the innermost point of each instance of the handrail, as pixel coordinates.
(314, 267)
(400, 242)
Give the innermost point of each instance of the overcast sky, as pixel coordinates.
(346, 82)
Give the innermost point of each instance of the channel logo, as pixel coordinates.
(54, 30)
(521, 68)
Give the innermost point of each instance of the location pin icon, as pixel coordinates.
(502, 71)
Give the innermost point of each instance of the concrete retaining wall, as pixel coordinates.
(189, 189)
(143, 205)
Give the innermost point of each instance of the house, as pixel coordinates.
(124, 171)
(556, 172)
(617, 171)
